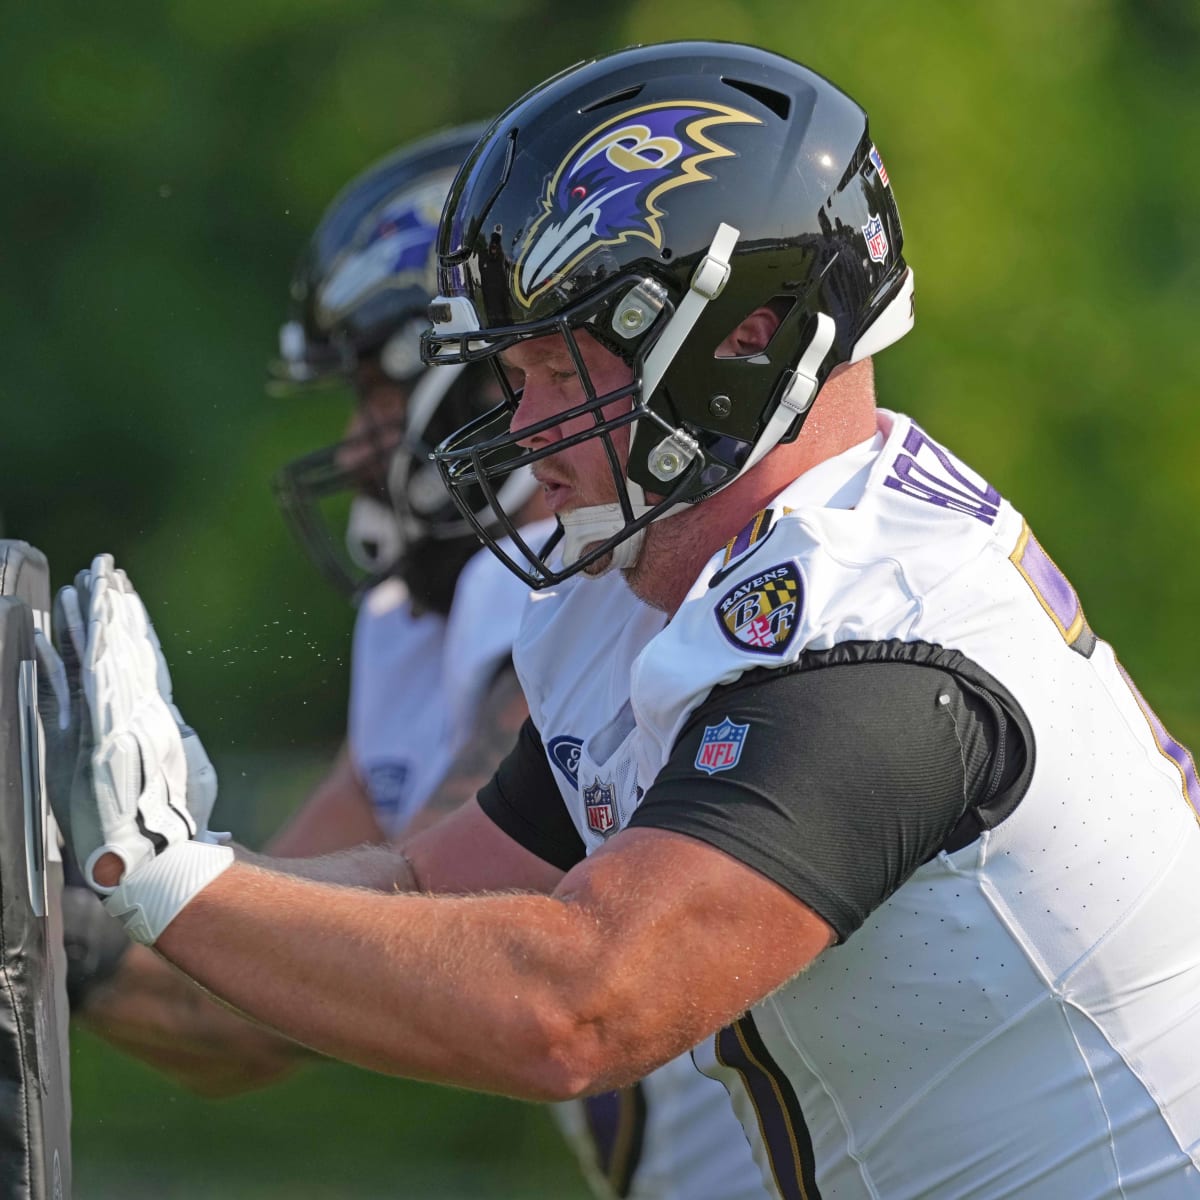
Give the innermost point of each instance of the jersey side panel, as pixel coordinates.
(397, 720)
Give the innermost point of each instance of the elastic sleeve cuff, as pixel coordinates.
(149, 898)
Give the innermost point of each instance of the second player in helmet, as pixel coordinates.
(371, 511)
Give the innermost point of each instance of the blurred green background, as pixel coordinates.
(164, 161)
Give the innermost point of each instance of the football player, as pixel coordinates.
(435, 704)
(875, 820)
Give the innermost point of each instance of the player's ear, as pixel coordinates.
(751, 336)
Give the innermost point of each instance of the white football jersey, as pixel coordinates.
(417, 680)
(1021, 1018)
(396, 732)
(691, 1147)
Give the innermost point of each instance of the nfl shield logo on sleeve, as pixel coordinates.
(599, 803)
(721, 746)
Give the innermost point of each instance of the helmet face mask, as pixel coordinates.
(482, 453)
(372, 505)
(336, 501)
(655, 198)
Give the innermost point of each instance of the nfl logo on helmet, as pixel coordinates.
(877, 243)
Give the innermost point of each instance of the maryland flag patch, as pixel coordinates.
(762, 612)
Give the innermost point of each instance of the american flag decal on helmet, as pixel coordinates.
(880, 169)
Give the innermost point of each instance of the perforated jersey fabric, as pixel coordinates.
(1016, 1019)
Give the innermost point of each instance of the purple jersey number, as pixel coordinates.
(926, 472)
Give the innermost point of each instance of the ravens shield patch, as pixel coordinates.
(761, 613)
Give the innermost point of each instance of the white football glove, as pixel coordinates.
(136, 806)
(201, 776)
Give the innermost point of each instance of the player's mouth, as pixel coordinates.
(558, 494)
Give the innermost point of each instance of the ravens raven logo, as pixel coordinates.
(608, 187)
(392, 248)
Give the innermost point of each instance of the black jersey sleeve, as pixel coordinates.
(855, 767)
(523, 799)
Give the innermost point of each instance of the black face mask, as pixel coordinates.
(413, 528)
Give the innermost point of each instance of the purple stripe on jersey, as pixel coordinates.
(616, 1122)
(1168, 746)
(1051, 584)
(780, 1121)
(748, 535)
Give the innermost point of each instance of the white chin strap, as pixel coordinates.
(800, 393)
(598, 522)
(891, 325)
(374, 539)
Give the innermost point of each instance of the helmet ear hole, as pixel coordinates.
(756, 331)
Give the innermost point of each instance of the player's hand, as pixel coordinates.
(130, 831)
(201, 776)
(138, 806)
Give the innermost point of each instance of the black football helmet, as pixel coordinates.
(654, 198)
(360, 296)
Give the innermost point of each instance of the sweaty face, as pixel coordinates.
(579, 475)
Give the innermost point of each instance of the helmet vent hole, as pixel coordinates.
(616, 98)
(777, 102)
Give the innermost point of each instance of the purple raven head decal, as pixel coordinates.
(392, 248)
(608, 187)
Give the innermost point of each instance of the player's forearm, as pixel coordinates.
(382, 868)
(497, 993)
(493, 736)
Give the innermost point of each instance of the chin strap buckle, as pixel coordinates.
(713, 273)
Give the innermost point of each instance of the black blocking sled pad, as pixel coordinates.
(35, 1105)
